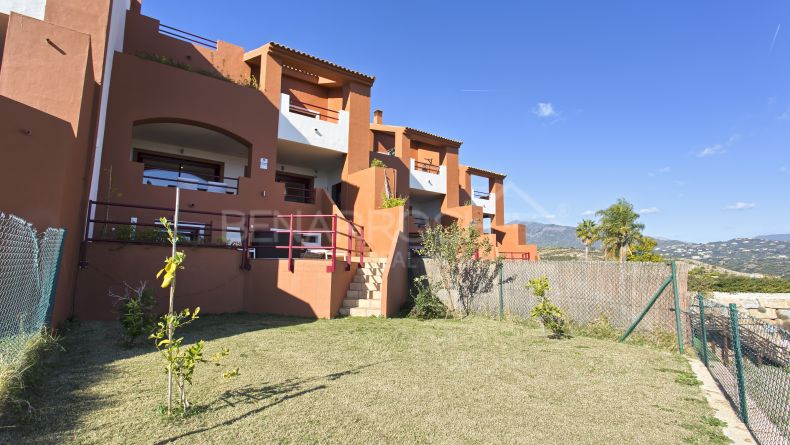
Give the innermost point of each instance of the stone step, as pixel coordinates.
(369, 271)
(367, 304)
(361, 278)
(363, 294)
(360, 312)
(365, 286)
(367, 259)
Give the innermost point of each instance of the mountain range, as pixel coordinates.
(765, 254)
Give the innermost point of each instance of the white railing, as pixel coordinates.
(313, 125)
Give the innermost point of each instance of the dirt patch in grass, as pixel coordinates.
(370, 381)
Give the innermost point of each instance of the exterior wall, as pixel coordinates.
(46, 132)
(432, 182)
(213, 281)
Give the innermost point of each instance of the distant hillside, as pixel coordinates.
(550, 235)
(780, 237)
(767, 255)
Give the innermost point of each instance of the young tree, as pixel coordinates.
(643, 250)
(587, 233)
(619, 229)
(461, 255)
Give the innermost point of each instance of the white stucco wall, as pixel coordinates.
(323, 179)
(488, 205)
(31, 8)
(431, 182)
(311, 130)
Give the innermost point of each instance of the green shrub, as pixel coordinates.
(549, 314)
(426, 304)
(393, 201)
(704, 280)
(378, 163)
(136, 307)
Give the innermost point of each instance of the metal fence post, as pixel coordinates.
(678, 323)
(703, 329)
(736, 345)
(501, 297)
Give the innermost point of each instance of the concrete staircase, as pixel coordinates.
(363, 298)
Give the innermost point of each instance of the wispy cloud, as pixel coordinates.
(717, 149)
(773, 41)
(784, 169)
(711, 150)
(784, 116)
(544, 110)
(649, 210)
(740, 205)
(660, 171)
(588, 213)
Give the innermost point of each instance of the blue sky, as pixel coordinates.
(681, 107)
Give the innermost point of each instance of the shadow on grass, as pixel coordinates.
(252, 395)
(60, 397)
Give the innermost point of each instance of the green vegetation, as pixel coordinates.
(136, 307)
(587, 233)
(618, 229)
(22, 371)
(250, 82)
(461, 255)
(548, 313)
(643, 251)
(361, 380)
(388, 202)
(426, 304)
(704, 280)
(378, 163)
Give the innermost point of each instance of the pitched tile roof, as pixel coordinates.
(432, 135)
(324, 61)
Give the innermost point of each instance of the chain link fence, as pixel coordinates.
(29, 264)
(587, 291)
(750, 359)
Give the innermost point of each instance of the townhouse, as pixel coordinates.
(107, 112)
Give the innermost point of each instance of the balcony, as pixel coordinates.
(486, 200)
(313, 125)
(427, 177)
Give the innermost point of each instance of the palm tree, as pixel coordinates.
(619, 229)
(587, 233)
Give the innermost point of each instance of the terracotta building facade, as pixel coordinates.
(270, 150)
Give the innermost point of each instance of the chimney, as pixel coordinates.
(378, 117)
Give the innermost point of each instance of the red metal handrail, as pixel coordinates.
(516, 256)
(355, 234)
(426, 167)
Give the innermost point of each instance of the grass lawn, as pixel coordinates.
(370, 381)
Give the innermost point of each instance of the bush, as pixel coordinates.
(393, 201)
(378, 163)
(549, 314)
(703, 280)
(136, 308)
(426, 304)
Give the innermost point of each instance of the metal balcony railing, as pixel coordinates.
(198, 228)
(180, 34)
(426, 167)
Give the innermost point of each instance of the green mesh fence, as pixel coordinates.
(29, 264)
(758, 387)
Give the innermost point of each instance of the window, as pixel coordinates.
(297, 188)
